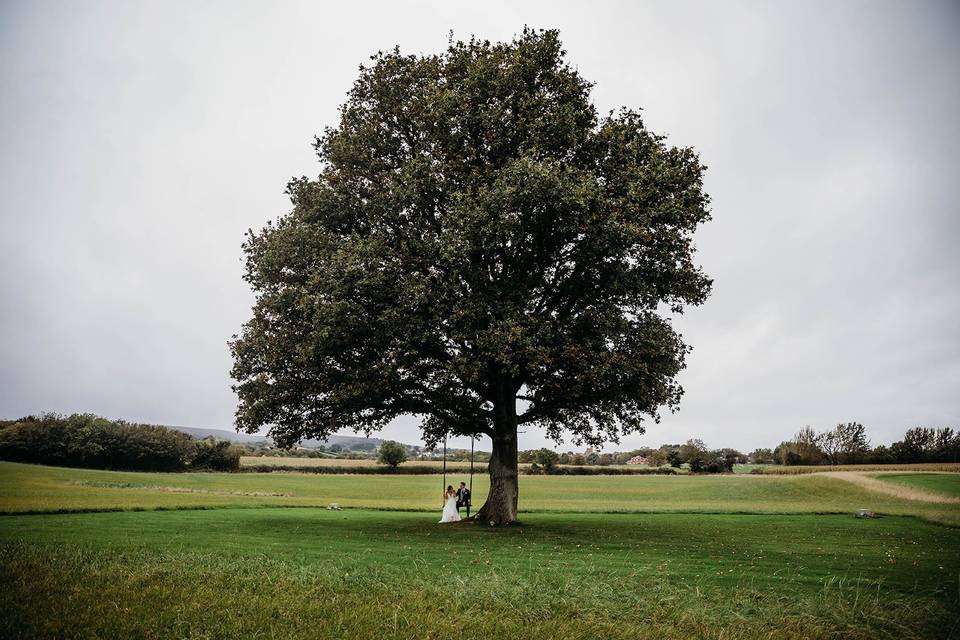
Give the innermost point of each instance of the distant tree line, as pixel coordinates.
(693, 454)
(260, 450)
(847, 443)
(86, 440)
(357, 451)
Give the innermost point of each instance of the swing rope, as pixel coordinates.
(444, 490)
(444, 486)
(471, 475)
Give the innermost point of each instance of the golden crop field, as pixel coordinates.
(941, 467)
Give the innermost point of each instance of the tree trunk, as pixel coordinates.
(501, 505)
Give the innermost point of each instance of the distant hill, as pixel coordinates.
(222, 434)
(347, 442)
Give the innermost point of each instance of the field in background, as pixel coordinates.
(433, 466)
(779, 469)
(284, 461)
(37, 488)
(944, 483)
(427, 466)
(749, 467)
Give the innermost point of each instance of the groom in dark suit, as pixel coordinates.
(463, 498)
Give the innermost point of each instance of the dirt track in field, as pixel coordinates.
(890, 489)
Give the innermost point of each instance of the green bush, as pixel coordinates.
(392, 454)
(216, 455)
(547, 459)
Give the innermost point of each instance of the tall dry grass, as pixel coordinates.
(778, 469)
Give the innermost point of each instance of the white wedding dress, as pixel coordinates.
(450, 510)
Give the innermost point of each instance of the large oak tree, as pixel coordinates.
(481, 250)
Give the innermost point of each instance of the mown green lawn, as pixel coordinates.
(313, 573)
(38, 488)
(945, 483)
(595, 557)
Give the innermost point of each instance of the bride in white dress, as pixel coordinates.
(450, 513)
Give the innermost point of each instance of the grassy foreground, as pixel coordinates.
(311, 573)
(208, 555)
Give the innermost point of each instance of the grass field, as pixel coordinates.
(779, 469)
(38, 488)
(699, 557)
(307, 573)
(749, 467)
(945, 483)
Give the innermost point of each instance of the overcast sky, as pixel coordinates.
(139, 141)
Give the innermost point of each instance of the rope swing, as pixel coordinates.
(471, 475)
(443, 490)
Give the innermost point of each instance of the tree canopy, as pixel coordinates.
(480, 249)
(392, 454)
